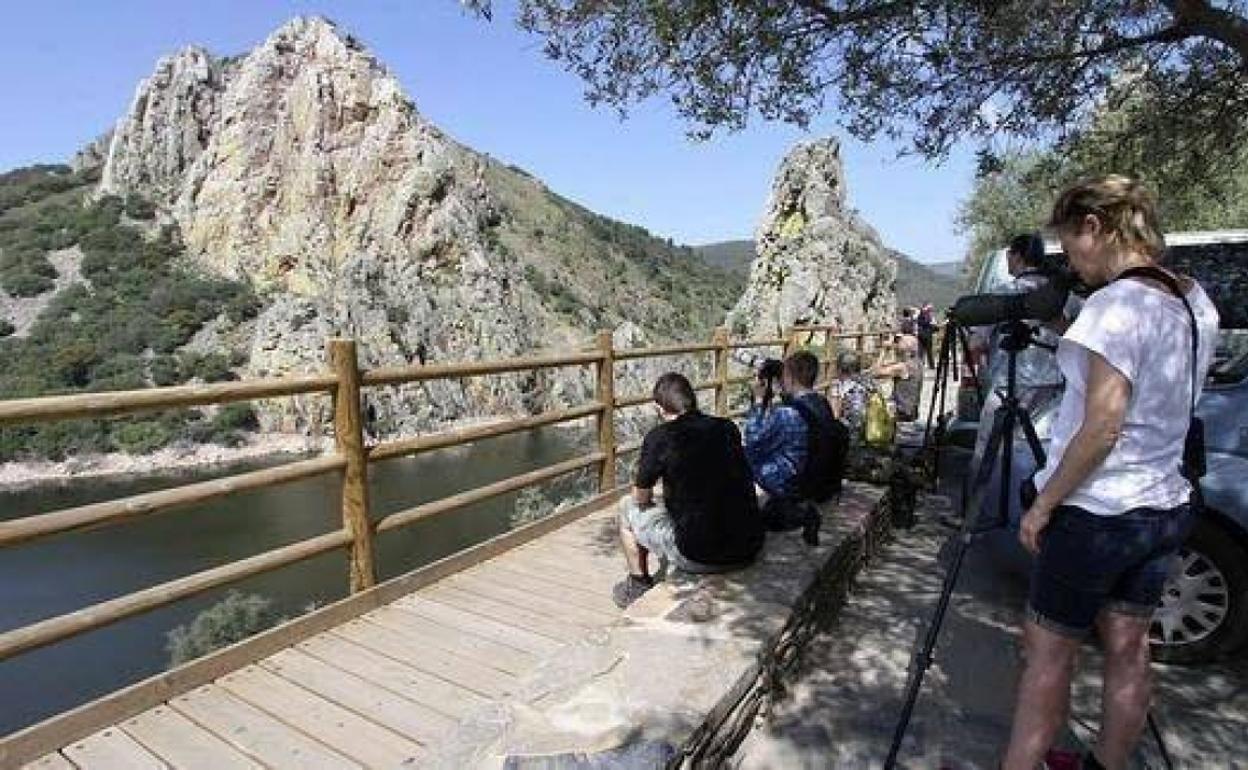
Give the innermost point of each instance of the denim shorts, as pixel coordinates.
(1089, 563)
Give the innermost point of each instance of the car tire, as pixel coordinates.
(1203, 613)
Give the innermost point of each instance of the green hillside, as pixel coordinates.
(730, 256)
(916, 283)
(119, 324)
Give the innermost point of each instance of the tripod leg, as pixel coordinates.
(1033, 440)
(983, 471)
(938, 390)
(923, 658)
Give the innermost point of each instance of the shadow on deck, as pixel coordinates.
(510, 655)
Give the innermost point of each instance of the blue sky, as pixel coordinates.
(68, 71)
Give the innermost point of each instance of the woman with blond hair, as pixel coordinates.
(1113, 504)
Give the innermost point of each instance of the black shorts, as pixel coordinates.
(1089, 563)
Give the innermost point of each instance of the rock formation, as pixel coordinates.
(303, 168)
(817, 261)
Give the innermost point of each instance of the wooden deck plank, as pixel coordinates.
(394, 675)
(182, 743)
(470, 622)
(404, 716)
(255, 732)
(534, 600)
(568, 558)
(594, 577)
(349, 733)
(482, 680)
(537, 622)
(560, 583)
(516, 575)
(111, 749)
(50, 762)
(601, 537)
(428, 633)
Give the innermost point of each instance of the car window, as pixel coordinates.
(994, 273)
(1222, 269)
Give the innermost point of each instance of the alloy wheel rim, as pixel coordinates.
(1194, 602)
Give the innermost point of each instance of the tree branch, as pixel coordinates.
(833, 18)
(1230, 29)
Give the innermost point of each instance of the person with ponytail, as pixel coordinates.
(1113, 502)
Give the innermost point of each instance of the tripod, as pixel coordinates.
(1009, 416)
(947, 363)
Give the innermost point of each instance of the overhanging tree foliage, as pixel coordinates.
(929, 72)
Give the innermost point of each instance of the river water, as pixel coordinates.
(60, 574)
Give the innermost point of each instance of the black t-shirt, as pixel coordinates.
(707, 487)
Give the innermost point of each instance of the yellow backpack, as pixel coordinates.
(879, 426)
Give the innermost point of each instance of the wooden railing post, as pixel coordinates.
(349, 436)
(829, 354)
(720, 338)
(790, 341)
(860, 342)
(606, 418)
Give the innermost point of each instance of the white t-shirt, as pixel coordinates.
(1144, 332)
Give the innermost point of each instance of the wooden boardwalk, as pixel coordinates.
(380, 689)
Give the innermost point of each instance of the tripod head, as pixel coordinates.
(1017, 335)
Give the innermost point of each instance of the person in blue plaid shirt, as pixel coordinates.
(775, 436)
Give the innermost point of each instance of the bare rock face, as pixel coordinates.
(166, 128)
(817, 261)
(303, 168)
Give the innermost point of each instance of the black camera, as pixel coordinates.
(768, 372)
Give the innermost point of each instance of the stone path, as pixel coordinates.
(841, 709)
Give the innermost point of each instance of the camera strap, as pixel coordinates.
(1194, 447)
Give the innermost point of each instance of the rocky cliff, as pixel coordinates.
(817, 261)
(303, 168)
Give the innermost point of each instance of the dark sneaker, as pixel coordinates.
(630, 589)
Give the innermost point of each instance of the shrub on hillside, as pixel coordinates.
(24, 283)
(142, 437)
(100, 335)
(236, 417)
(137, 207)
(230, 620)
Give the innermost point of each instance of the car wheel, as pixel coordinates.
(1203, 612)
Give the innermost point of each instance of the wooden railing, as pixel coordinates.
(345, 384)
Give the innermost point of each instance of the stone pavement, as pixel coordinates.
(841, 708)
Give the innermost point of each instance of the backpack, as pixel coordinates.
(879, 427)
(827, 447)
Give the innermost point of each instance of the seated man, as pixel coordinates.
(827, 437)
(708, 520)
